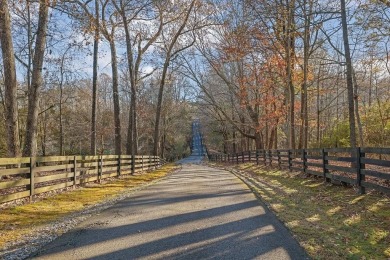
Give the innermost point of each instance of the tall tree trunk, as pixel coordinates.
(290, 51)
(61, 148)
(306, 46)
(117, 119)
(159, 106)
(62, 72)
(94, 79)
(132, 128)
(234, 147)
(258, 141)
(30, 42)
(272, 138)
(266, 135)
(276, 138)
(129, 143)
(10, 82)
(134, 124)
(348, 61)
(234, 141)
(356, 101)
(318, 106)
(30, 148)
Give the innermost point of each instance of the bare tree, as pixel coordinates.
(349, 74)
(94, 77)
(10, 100)
(137, 44)
(110, 37)
(30, 148)
(170, 52)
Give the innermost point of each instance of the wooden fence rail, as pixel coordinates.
(362, 167)
(27, 176)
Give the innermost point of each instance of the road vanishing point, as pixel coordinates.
(196, 213)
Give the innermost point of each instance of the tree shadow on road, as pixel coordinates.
(238, 228)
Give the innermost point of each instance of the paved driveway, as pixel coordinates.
(196, 213)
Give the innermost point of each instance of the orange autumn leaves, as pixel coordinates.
(260, 74)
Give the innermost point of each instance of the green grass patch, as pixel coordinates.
(18, 221)
(330, 221)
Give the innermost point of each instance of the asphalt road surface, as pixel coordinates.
(196, 213)
(198, 150)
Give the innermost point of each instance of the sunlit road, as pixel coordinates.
(196, 213)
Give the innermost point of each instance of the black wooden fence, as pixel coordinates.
(28, 176)
(362, 167)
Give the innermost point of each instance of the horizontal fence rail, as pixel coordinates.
(362, 167)
(28, 176)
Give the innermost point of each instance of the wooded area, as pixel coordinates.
(296, 74)
(128, 77)
(94, 77)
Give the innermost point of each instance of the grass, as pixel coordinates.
(329, 221)
(15, 222)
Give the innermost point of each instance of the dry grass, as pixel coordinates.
(20, 220)
(330, 222)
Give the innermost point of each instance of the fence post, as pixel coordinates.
(74, 171)
(142, 163)
(133, 164)
(119, 165)
(304, 160)
(265, 157)
(257, 157)
(289, 159)
(100, 168)
(279, 162)
(359, 167)
(149, 162)
(324, 163)
(237, 158)
(243, 156)
(270, 157)
(250, 153)
(32, 177)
